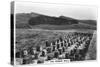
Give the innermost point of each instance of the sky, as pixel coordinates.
(68, 10)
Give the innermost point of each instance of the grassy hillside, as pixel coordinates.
(24, 17)
(89, 22)
(51, 20)
(34, 20)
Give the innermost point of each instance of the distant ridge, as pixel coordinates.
(64, 17)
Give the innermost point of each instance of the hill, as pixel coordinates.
(89, 22)
(51, 20)
(35, 20)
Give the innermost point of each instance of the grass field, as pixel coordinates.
(33, 37)
(64, 27)
(29, 37)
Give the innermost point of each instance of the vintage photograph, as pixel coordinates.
(47, 33)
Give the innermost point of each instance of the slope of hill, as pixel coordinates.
(34, 20)
(24, 17)
(64, 17)
(28, 20)
(51, 20)
(90, 22)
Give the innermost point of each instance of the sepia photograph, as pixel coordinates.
(44, 33)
